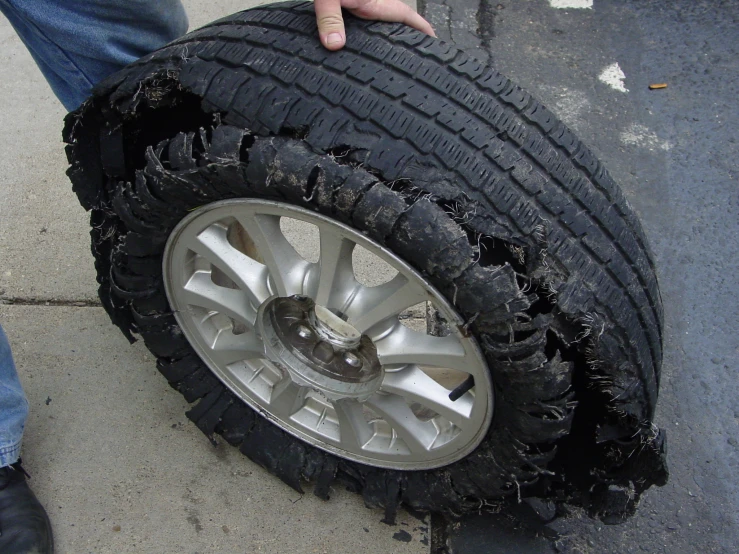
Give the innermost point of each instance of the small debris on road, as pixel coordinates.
(657, 86)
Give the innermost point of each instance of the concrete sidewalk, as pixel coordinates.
(113, 457)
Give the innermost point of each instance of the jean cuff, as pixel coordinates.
(10, 454)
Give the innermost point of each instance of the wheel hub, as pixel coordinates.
(318, 344)
(318, 349)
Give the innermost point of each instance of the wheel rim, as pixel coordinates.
(325, 356)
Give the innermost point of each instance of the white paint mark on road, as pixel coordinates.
(639, 135)
(577, 4)
(614, 77)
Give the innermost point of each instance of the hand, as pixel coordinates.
(331, 24)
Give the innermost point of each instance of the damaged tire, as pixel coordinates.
(511, 348)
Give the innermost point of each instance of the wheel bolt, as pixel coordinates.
(352, 359)
(304, 332)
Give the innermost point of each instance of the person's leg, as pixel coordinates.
(24, 525)
(13, 406)
(77, 43)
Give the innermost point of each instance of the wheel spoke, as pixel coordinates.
(405, 346)
(286, 267)
(248, 274)
(373, 305)
(415, 385)
(419, 436)
(286, 398)
(336, 279)
(353, 427)
(228, 348)
(201, 291)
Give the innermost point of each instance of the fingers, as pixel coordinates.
(330, 23)
(389, 10)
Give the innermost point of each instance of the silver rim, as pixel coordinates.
(320, 344)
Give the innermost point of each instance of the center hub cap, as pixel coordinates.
(318, 349)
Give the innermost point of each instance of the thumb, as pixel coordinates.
(330, 23)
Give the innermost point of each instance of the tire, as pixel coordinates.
(438, 161)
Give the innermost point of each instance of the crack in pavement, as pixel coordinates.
(486, 26)
(466, 23)
(439, 15)
(29, 301)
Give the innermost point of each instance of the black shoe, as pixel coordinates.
(24, 526)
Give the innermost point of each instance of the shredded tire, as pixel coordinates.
(442, 160)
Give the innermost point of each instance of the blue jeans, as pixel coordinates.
(76, 44)
(13, 406)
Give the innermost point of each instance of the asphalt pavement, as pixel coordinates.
(674, 151)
